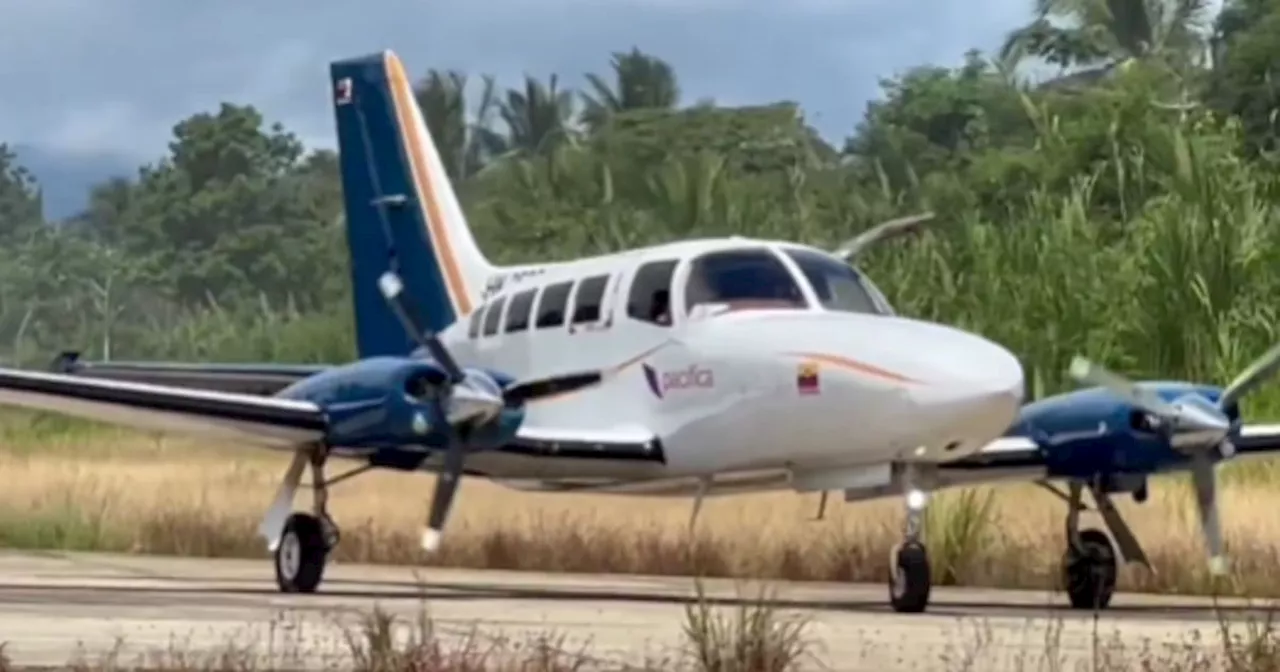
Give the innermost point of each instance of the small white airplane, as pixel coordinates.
(711, 366)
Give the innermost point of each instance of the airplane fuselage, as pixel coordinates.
(759, 372)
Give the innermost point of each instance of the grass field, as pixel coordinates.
(120, 491)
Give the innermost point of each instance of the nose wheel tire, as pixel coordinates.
(909, 579)
(1090, 571)
(300, 558)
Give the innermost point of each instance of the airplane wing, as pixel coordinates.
(1258, 440)
(269, 422)
(1014, 452)
(256, 379)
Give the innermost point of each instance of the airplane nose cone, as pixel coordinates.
(971, 397)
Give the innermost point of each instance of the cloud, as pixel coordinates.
(88, 76)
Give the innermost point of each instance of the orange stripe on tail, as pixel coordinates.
(409, 116)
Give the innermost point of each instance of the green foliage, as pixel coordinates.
(1097, 217)
(1244, 83)
(19, 198)
(1106, 32)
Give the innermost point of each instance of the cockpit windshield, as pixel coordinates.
(747, 278)
(838, 286)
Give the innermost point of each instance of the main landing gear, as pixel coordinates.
(1089, 565)
(301, 542)
(910, 580)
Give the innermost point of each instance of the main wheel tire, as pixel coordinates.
(909, 579)
(300, 558)
(1090, 571)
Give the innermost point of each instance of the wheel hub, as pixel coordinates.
(290, 555)
(899, 581)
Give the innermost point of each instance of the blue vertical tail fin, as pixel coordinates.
(401, 209)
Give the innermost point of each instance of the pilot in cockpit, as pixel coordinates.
(660, 307)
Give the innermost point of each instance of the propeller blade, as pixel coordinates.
(1205, 481)
(1085, 371)
(1253, 376)
(882, 231)
(524, 391)
(447, 483)
(393, 291)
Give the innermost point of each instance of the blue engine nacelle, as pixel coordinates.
(386, 403)
(1094, 435)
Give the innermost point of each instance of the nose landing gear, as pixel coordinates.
(910, 580)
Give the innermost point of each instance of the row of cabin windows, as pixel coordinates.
(649, 300)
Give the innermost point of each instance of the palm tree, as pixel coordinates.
(640, 81)
(465, 146)
(1103, 34)
(538, 118)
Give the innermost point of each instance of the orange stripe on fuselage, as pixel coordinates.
(858, 367)
(402, 96)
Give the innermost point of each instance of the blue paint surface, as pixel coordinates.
(368, 408)
(374, 165)
(1092, 431)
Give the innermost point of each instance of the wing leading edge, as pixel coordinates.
(263, 421)
(1022, 452)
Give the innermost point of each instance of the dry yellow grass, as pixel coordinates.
(120, 491)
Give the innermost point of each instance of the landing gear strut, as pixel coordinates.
(301, 542)
(1089, 567)
(909, 575)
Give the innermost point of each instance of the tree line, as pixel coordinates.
(1126, 208)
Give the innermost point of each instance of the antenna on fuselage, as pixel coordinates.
(881, 232)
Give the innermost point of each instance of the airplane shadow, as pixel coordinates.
(437, 591)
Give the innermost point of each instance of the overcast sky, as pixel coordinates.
(92, 76)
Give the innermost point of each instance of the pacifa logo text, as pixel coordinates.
(660, 383)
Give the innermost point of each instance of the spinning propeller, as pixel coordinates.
(1194, 426)
(513, 396)
(882, 231)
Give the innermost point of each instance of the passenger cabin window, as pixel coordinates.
(650, 296)
(493, 315)
(754, 278)
(473, 329)
(518, 313)
(837, 285)
(555, 298)
(586, 304)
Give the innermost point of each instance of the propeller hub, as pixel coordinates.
(1197, 424)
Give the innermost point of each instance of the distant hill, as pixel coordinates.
(66, 179)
